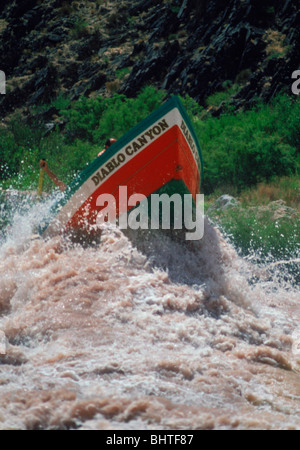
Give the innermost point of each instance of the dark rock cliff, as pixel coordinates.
(183, 46)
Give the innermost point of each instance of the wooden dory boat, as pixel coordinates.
(160, 154)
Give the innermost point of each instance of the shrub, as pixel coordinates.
(95, 120)
(9, 156)
(239, 149)
(222, 96)
(259, 232)
(123, 113)
(16, 143)
(83, 118)
(248, 147)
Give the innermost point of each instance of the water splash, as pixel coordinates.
(143, 331)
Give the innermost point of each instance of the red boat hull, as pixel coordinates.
(160, 150)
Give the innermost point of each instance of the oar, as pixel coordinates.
(41, 180)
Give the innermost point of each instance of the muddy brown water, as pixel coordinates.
(144, 332)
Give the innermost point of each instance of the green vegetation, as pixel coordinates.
(93, 120)
(286, 189)
(244, 148)
(253, 155)
(264, 223)
(89, 122)
(270, 231)
(240, 149)
(223, 96)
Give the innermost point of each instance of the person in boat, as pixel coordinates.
(57, 181)
(108, 143)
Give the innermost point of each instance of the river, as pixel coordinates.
(143, 332)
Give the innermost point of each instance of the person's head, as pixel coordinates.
(109, 142)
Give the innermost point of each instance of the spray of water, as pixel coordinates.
(143, 330)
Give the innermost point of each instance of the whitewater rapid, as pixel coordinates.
(145, 332)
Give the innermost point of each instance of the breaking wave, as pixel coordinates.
(143, 330)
